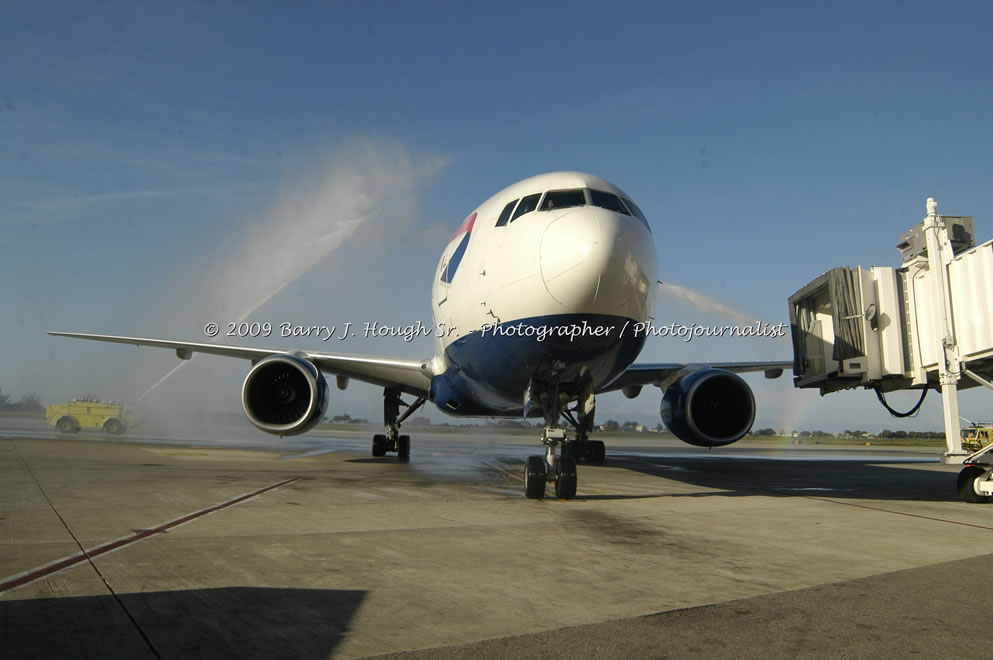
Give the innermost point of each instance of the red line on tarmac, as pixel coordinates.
(31, 575)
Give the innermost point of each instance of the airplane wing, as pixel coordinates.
(663, 374)
(414, 376)
(410, 375)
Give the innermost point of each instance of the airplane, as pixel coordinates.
(542, 300)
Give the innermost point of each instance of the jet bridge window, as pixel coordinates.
(527, 205)
(505, 214)
(607, 201)
(562, 199)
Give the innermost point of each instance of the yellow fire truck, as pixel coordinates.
(87, 413)
(977, 436)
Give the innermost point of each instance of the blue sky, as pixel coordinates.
(154, 156)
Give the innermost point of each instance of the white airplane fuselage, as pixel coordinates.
(548, 295)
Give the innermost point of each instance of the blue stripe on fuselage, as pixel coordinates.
(453, 263)
(491, 368)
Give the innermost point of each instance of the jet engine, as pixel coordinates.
(285, 394)
(709, 408)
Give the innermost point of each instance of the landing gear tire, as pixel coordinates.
(379, 445)
(967, 485)
(598, 451)
(67, 425)
(403, 447)
(535, 476)
(565, 478)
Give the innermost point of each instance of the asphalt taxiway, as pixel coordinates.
(244, 546)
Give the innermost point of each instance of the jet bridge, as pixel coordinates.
(927, 324)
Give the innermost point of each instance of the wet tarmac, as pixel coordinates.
(160, 545)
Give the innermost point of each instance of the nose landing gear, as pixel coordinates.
(561, 469)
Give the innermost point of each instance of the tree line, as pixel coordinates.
(28, 403)
(885, 433)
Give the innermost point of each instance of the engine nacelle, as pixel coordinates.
(285, 394)
(709, 408)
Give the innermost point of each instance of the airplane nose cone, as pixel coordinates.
(598, 262)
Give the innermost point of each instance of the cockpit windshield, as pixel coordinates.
(505, 215)
(527, 205)
(612, 202)
(561, 199)
(608, 201)
(635, 210)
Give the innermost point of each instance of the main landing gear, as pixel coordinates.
(560, 470)
(392, 441)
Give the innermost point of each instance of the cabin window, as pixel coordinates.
(527, 205)
(608, 201)
(563, 199)
(505, 214)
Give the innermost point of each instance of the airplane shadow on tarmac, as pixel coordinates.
(848, 478)
(231, 622)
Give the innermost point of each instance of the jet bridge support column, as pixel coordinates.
(940, 253)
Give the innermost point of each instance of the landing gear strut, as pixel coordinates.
(560, 470)
(392, 441)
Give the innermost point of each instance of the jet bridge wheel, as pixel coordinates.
(535, 476)
(967, 484)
